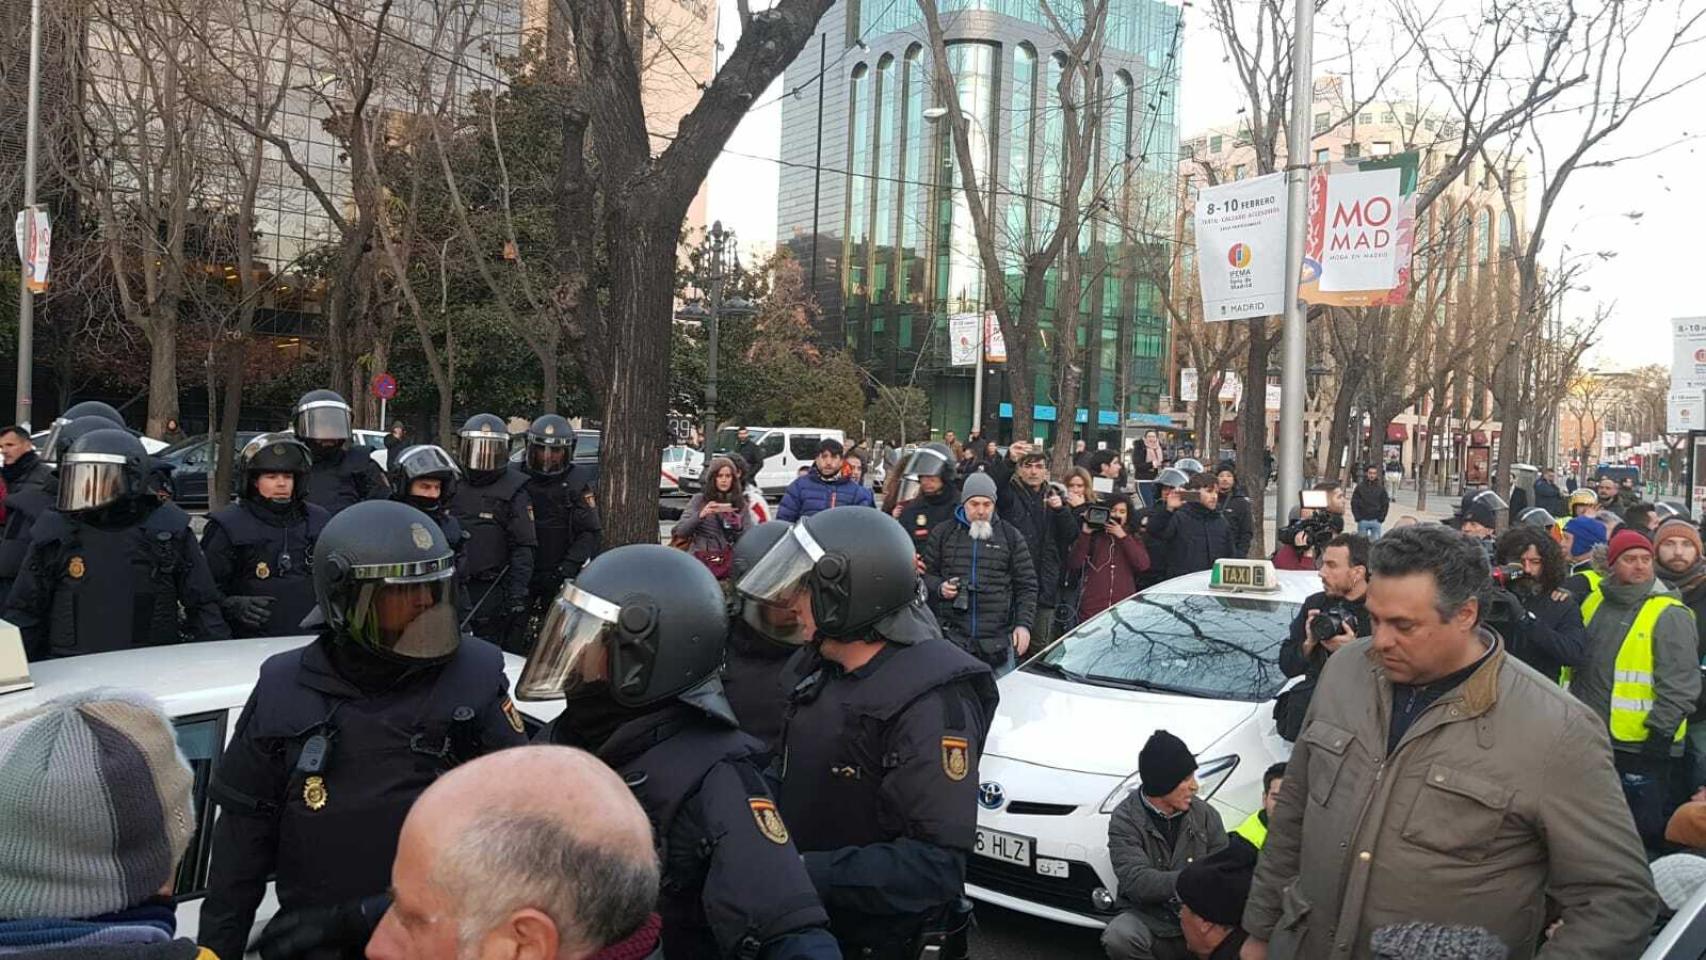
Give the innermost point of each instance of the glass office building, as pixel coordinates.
(870, 203)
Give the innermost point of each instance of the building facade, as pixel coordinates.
(869, 199)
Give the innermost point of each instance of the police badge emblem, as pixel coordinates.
(769, 821)
(314, 793)
(954, 761)
(423, 539)
(75, 569)
(262, 571)
(512, 715)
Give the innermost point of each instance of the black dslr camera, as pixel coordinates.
(1317, 528)
(1329, 623)
(1096, 515)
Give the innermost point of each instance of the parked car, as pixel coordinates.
(375, 440)
(681, 470)
(786, 450)
(192, 460)
(1193, 655)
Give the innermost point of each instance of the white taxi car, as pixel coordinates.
(202, 687)
(1198, 656)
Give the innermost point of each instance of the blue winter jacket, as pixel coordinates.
(812, 494)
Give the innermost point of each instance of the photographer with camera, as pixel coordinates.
(979, 574)
(1107, 558)
(1313, 523)
(1539, 620)
(1191, 531)
(1327, 621)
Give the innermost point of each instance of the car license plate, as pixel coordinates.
(1003, 846)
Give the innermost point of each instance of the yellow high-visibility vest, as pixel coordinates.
(1590, 603)
(1632, 678)
(1253, 830)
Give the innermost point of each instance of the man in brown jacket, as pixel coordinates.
(1440, 780)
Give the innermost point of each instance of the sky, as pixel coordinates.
(1647, 213)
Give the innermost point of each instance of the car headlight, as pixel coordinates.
(1211, 776)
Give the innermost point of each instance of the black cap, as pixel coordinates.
(1216, 887)
(1164, 763)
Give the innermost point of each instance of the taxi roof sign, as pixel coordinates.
(1240, 576)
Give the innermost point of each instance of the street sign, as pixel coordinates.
(35, 243)
(385, 386)
(1240, 234)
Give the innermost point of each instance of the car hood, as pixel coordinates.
(1076, 726)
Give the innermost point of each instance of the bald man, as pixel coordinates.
(535, 853)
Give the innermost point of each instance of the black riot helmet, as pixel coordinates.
(321, 415)
(482, 445)
(384, 577)
(550, 446)
(423, 462)
(859, 568)
(642, 624)
(275, 453)
(64, 435)
(56, 441)
(777, 621)
(930, 460)
(101, 468)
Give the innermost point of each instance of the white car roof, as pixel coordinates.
(1296, 586)
(186, 678)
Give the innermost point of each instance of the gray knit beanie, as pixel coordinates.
(96, 803)
(1433, 941)
(977, 485)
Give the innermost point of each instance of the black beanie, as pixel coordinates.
(1216, 887)
(1164, 763)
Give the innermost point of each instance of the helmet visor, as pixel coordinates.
(1489, 500)
(89, 481)
(781, 572)
(1190, 466)
(924, 463)
(426, 461)
(49, 451)
(910, 488)
(547, 459)
(569, 652)
(1538, 517)
(323, 420)
(410, 617)
(483, 451)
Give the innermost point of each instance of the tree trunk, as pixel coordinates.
(229, 412)
(641, 299)
(162, 373)
(1253, 429)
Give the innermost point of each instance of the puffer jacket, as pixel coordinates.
(812, 494)
(995, 574)
(1676, 659)
(1147, 868)
(1500, 796)
(1192, 537)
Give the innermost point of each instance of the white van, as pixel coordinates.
(786, 450)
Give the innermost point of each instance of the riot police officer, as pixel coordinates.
(497, 512)
(928, 496)
(259, 547)
(110, 567)
(26, 503)
(340, 736)
(424, 477)
(55, 443)
(564, 515)
(762, 637)
(344, 473)
(633, 647)
(881, 744)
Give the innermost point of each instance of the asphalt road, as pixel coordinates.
(1005, 935)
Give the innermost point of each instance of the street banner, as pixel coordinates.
(1231, 388)
(1188, 385)
(1240, 233)
(1685, 410)
(35, 242)
(995, 345)
(1361, 232)
(1688, 359)
(1273, 397)
(962, 340)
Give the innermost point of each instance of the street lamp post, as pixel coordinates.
(26, 299)
(718, 243)
(933, 115)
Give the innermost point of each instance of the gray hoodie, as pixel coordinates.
(1676, 659)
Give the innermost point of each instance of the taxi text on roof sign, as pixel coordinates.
(1237, 576)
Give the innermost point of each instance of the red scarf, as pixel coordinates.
(638, 944)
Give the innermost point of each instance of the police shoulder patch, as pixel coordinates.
(769, 820)
(511, 714)
(955, 762)
(76, 568)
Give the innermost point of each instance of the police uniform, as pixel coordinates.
(879, 785)
(346, 477)
(330, 835)
(87, 588)
(255, 551)
(566, 522)
(925, 513)
(757, 678)
(498, 517)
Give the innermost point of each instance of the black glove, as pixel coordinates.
(314, 933)
(1658, 744)
(251, 612)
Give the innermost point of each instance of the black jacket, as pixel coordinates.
(1548, 498)
(1547, 633)
(1370, 501)
(29, 472)
(925, 513)
(1191, 537)
(1049, 533)
(1294, 703)
(996, 577)
(1240, 514)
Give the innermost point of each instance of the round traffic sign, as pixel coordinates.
(385, 386)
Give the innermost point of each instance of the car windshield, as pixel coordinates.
(1217, 647)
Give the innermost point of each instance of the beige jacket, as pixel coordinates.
(1501, 793)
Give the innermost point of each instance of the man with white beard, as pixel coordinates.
(981, 579)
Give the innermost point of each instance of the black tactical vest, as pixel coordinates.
(113, 589)
(485, 513)
(273, 560)
(342, 481)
